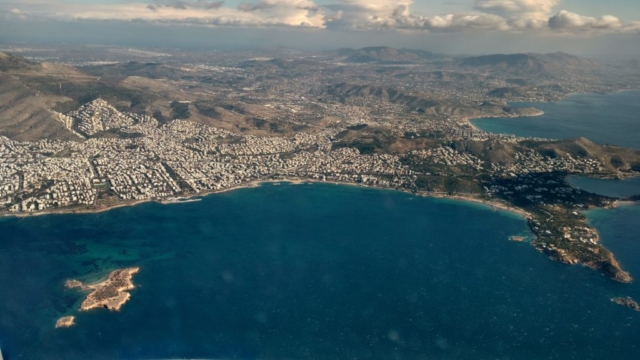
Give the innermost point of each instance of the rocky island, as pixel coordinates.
(628, 302)
(110, 294)
(66, 321)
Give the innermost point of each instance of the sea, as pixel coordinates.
(617, 188)
(315, 271)
(612, 119)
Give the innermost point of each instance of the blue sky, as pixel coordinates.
(456, 25)
(625, 9)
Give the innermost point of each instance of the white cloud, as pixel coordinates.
(482, 16)
(13, 13)
(568, 21)
(533, 8)
(302, 13)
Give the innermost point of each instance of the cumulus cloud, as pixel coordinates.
(12, 13)
(511, 7)
(298, 13)
(482, 15)
(184, 4)
(485, 15)
(488, 15)
(565, 20)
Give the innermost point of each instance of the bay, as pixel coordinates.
(305, 272)
(619, 188)
(612, 119)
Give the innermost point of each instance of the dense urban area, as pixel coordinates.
(122, 132)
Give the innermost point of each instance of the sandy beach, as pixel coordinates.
(94, 209)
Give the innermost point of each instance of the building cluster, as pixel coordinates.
(449, 157)
(184, 157)
(533, 162)
(580, 233)
(31, 182)
(96, 116)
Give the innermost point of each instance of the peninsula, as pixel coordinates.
(110, 294)
(194, 131)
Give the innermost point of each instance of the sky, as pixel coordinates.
(594, 27)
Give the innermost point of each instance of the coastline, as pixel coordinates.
(110, 293)
(469, 120)
(256, 183)
(494, 204)
(610, 268)
(562, 98)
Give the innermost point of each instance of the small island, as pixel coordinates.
(66, 321)
(628, 302)
(110, 294)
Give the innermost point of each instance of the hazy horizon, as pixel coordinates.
(587, 28)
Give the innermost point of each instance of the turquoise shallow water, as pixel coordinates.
(310, 272)
(606, 119)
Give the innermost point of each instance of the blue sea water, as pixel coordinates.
(309, 272)
(619, 188)
(327, 272)
(620, 233)
(612, 119)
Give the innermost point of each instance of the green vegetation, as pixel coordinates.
(180, 110)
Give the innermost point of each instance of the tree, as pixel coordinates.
(452, 185)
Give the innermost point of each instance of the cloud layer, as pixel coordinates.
(482, 16)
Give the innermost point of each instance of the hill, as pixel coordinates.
(135, 68)
(613, 157)
(385, 55)
(555, 64)
(28, 91)
(10, 62)
(427, 104)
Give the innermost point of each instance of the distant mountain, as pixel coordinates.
(280, 63)
(11, 62)
(135, 68)
(343, 52)
(555, 64)
(383, 54)
(428, 104)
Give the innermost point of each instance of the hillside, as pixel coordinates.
(613, 157)
(427, 104)
(385, 55)
(555, 64)
(28, 90)
(10, 62)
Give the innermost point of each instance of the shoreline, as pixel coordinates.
(563, 98)
(469, 120)
(111, 293)
(619, 176)
(612, 269)
(256, 183)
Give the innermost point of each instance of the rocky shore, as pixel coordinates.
(628, 302)
(66, 321)
(110, 294)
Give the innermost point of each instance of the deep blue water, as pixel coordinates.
(609, 187)
(612, 119)
(620, 233)
(310, 272)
